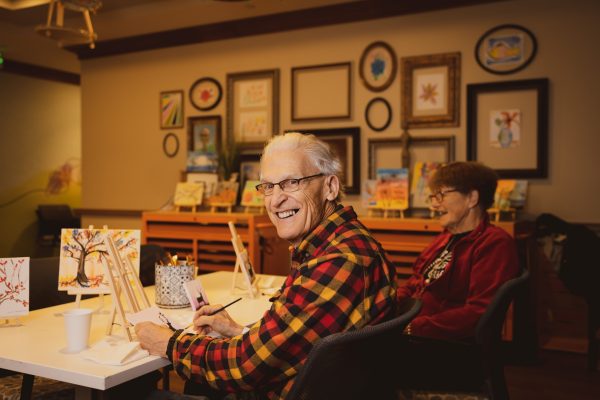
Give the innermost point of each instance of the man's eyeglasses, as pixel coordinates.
(287, 185)
(439, 196)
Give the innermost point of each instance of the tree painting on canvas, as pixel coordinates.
(83, 253)
(14, 286)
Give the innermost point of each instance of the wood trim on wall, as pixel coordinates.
(281, 22)
(36, 71)
(104, 212)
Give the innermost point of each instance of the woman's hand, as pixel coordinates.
(220, 322)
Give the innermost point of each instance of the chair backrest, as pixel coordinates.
(150, 254)
(346, 365)
(43, 284)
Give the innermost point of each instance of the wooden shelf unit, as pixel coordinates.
(205, 236)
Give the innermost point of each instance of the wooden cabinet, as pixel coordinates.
(206, 237)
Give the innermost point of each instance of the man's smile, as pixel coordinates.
(287, 213)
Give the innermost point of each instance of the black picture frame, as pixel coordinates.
(500, 36)
(535, 133)
(369, 120)
(351, 161)
(383, 58)
(199, 90)
(166, 147)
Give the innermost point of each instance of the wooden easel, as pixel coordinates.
(242, 263)
(495, 213)
(386, 212)
(254, 209)
(123, 281)
(214, 207)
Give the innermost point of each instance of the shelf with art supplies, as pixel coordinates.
(509, 198)
(14, 290)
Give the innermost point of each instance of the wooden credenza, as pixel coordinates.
(206, 237)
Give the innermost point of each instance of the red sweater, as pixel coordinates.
(452, 305)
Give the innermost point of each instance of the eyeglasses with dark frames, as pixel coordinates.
(439, 196)
(286, 185)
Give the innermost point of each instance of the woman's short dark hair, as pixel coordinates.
(466, 176)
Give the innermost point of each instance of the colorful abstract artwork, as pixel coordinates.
(505, 128)
(14, 286)
(252, 197)
(419, 190)
(83, 253)
(504, 49)
(392, 188)
(171, 109)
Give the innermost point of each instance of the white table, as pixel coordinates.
(35, 347)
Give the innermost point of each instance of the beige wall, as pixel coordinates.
(123, 164)
(40, 131)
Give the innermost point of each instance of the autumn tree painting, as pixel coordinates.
(83, 252)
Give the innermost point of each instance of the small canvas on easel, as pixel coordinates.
(14, 287)
(188, 194)
(419, 188)
(392, 188)
(82, 253)
(195, 293)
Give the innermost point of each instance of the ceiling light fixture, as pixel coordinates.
(67, 35)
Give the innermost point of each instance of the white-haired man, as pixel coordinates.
(340, 280)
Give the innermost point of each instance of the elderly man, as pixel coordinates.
(340, 280)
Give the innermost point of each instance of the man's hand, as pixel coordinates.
(220, 322)
(154, 338)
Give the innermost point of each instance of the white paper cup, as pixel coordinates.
(77, 326)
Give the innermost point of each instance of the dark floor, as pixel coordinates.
(556, 376)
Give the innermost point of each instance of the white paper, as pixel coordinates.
(153, 314)
(114, 351)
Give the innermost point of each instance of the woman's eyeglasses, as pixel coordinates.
(439, 196)
(286, 185)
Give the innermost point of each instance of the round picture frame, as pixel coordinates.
(382, 123)
(170, 137)
(506, 49)
(378, 65)
(206, 93)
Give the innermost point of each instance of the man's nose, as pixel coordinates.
(278, 195)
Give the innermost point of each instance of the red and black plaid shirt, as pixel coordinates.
(342, 281)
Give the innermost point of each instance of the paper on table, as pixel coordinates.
(114, 351)
(151, 314)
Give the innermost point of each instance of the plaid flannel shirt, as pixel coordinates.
(342, 281)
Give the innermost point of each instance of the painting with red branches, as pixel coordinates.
(83, 253)
(14, 286)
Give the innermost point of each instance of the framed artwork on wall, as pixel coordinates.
(505, 49)
(431, 90)
(170, 145)
(386, 153)
(205, 94)
(330, 83)
(204, 134)
(345, 143)
(378, 66)
(507, 127)
(378, 114)
(253, 106)
(171, 109)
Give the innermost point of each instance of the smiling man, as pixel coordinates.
(340, 280)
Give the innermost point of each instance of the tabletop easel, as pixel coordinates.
(124, 282)
(215, 207)
(386, 212)
(242, 263)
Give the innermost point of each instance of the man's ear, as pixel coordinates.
(332, 187)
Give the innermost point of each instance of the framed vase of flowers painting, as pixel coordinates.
(507, 127)
(431, 90)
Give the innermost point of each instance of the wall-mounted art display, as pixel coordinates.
(507, 127)
(386, 153)
(14, 287)
(170, 145)
(171, 109)
(322, 92)
(431, 90)
(378, 66)
(204, 134)
(378, 114)
(505, 49)
(205, 94)
(253, 106)
(344, 143)
(83, 252)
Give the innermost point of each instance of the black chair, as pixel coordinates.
(150, 254)
(51, 219)
(350, 365)
(470, 367)
(43, 284)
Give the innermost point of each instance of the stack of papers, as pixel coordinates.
(114, 350)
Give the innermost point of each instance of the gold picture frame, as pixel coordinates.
(431, 90)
